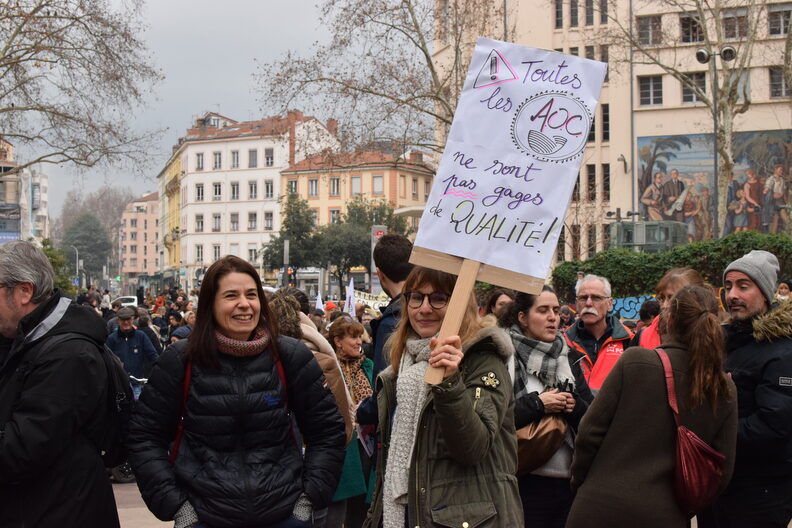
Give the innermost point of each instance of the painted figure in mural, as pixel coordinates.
(737, 210)
(731, 196)
(753, 195)
(653, 198)
(775, 195)
(707, 214)
(691, 207)
(674, 189)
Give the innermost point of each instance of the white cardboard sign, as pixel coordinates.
(512, 157)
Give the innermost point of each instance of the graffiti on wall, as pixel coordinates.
(628, 307)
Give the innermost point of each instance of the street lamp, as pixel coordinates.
(704, 56)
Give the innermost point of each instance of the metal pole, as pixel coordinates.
(714, 74)
(76, 262)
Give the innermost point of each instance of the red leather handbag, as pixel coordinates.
(699, 467)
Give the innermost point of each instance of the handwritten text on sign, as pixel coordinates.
(512, 157)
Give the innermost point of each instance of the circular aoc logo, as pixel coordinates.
(551, 126)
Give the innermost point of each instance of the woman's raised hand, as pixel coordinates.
(446, 354)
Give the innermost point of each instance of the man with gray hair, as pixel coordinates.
(53, 401)
(599, 337)
(759, 360)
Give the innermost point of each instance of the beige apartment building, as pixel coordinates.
(328, 182)
(138, 240)
(643, 105)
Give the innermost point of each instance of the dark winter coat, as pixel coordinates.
(134, 349)
(53, 409)
(625, 451)
(465, 454)
(381, 330)
(238, 464)
(759, 359)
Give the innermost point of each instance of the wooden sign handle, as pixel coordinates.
(455, 312)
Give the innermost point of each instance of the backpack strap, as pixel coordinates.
(174, 452)
(285, 388)
(669, 379)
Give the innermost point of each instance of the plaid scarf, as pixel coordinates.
(547, 361)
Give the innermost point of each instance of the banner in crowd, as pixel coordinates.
(512, 157)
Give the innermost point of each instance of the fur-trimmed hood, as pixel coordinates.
(775, 324)
(503, 346)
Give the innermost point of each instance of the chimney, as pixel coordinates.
(416, 157)
(332, 126)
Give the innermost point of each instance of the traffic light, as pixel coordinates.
(290, 274)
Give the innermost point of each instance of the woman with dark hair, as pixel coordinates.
(498, 300)
(625, 452)
(353, 493)
(669, 284)
(250, 396)
(448, 452)
(548, 380)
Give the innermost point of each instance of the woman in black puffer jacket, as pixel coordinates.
(239, 463)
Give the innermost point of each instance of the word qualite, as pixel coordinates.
(492, 226)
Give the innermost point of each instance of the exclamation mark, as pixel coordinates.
(493, 67)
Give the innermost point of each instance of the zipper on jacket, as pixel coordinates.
(477, 397)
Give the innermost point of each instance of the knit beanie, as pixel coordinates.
(762, 267)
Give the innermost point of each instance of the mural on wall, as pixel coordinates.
(676, 182)
(628, 307)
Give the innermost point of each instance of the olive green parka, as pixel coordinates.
(464, 460)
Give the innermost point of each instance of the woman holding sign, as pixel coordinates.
(448, 451)
(548, 383)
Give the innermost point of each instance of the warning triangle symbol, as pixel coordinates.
(496, 70)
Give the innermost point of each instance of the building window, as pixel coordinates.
(133, 235)
(690, 27)
(235, 190)
(592, 135)
(216, 223)
(252, 159)
(268, 220)
(233, 249)
(604, 58)
(133, 222)
(215, 251)
(133, 262)
(590, 52)
(559, 14)
(778, 18)
(606, 122)
(291, 186)
(217, 192)
(743, 83)
(335, 187)
(198, 252)
(335, 216)
(591, 182)
(133, 248)
(606, 184)
(314, 217)
(217, 160)
(592, 239)
(574, 51)
(199, 192)
(427, 188)
(252, 190)
(234, 222)
(576, 242)
(735, 24)
(376, 184)
(199, 161)
(234, 159)
(355, 185)
(576, 191)
(313, 188)
(199, 223)
(268, 189)
(689, 95)
(650, 30)
(603, 11)
(145, 237)
(415, 188)
(269, 157)
(651, 90)
(561, 245)
(252, 253)
(145, 250)
(573, 13)
(252, 221)
(778, 84)
(589, 12)
(145, 264)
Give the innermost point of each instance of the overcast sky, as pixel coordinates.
(206, 51)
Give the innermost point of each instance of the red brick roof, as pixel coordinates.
(354, 160)
(269, 126)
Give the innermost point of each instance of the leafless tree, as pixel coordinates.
(392, 71)
(72, 73)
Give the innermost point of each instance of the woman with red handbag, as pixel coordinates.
(624, 469)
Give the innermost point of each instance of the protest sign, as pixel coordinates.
(510, 164)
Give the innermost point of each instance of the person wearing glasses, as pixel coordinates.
(598, 335)
(448, 453)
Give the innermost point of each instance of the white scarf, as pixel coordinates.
(411, 394)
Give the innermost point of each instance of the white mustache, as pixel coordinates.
(589, 310)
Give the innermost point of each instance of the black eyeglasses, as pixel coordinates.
(594, 298)
(437, 300)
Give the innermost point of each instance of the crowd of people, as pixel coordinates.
(262, 410)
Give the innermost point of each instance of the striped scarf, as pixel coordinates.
(547, 361)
